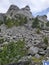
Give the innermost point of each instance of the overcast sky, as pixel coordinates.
(35, 5)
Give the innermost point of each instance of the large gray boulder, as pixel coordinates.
(33, 50)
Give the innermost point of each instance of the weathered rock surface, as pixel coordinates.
(43, 18)
(2, 16)
(33, 41)
(33, 50)
(14, 12)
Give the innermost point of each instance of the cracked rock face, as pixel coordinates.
(15, 11)
(26, 8)
(43, 18)
(12, 9)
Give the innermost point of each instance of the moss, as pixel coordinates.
(37, 60)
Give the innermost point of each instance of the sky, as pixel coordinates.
(35, 5)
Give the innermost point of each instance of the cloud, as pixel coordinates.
(48, 15)
(4, 4)
(35, 5)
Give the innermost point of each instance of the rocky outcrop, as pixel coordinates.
(14, 11)
(33, 42)
(11, 10)
(43, 18)
(13, 7)
(2, 16)
(26, 8)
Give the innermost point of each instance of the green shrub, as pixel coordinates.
(16, 22)
(1, 40)
(9, 23)
(47, 24)
(1, 22)
(42, 25)
(38, 31)
(35, 23)
(0, 30)
(12, 52)
(45, 40)
(23, 20)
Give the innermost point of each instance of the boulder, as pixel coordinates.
(47, 52)
(33, 50)
(41, 51)
(41, 45)
(37, 56)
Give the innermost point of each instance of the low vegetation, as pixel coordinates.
(12, 52)
(45, 40)
(18, 22)
(36, 60)
(47, 24)
(38, 31)
(9, 23)
(1, 40)
(35, 23)
(0, 30)
(42, 25)
(1, 22)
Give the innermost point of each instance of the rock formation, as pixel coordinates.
(35, 44)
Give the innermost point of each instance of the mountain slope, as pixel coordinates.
(20, 43)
